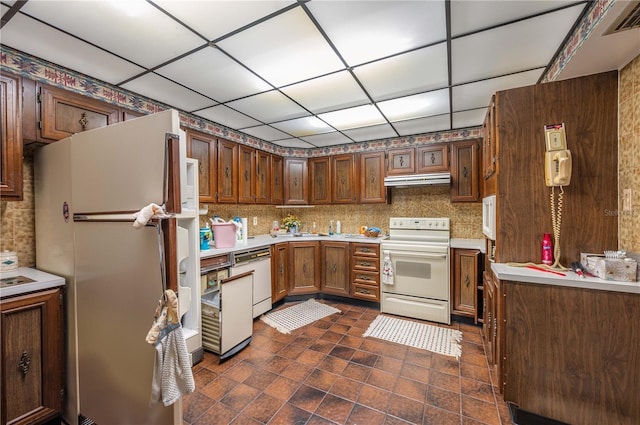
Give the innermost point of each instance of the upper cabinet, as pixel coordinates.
(277, 180)
(372, 188)
(202, 147)
(227, 172)
(11, 138)
(465, 181)
(246, 175)
(320, 180)
(432, 158)
(343, 179)
(402, 161)
(263, 177)
(296, 178)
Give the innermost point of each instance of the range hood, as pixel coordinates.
(418, 180)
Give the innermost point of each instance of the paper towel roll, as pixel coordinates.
(245, 231)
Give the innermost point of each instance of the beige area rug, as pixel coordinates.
(297, 316)
(419, 335)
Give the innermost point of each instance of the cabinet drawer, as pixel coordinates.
(365, 292)
(365, 277)
(366, 250)
(367, 264)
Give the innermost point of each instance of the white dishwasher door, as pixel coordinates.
(261, 283)
(236, 324)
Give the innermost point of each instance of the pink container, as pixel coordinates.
(224, 235)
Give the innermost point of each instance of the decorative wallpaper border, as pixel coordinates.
(37, 69)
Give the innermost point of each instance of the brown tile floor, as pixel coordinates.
(327, 373)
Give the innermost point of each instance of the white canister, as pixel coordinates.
(8, 261)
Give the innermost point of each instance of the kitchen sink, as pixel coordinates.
(12, 281)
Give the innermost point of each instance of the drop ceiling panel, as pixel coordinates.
(283, 50)
(158, 88)
(303, 126)
(416, 106)
(374, 132)
(266, 132)
(327, 139)
(295, 143)
(133, 29)
(471, 118)
(476, 95)
(527, 44)
(360, 116)
(423, 125)
(214, 74)
(29, 35)
(323, 94)
(227, 116)
(410, 73)
(269, 107)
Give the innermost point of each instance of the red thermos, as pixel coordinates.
(547, 249)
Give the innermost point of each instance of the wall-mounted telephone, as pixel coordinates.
(557, 159)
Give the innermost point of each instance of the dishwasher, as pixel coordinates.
(258, 260)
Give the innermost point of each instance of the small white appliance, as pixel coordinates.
(489, 217)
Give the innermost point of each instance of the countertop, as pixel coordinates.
(522, 274)
(260, 241)
(479, 244)
(42, 280)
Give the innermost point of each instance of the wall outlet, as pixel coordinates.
(626, 200)
(255, 221)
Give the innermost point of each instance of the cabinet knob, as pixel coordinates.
(24, 363)
(464, 172)
(83, 121)
(467, 281)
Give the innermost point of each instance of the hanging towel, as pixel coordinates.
(143, 216)
(172, 375)
(387, 270)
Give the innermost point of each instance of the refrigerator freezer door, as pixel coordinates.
(118, 285)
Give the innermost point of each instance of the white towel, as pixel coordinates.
(143, 216)
(387, 270)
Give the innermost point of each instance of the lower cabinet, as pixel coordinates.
(279, 275)
(365, 271)
(492, 328)
(304, 267)
(464, 289)
(335, 268)
(32, 357)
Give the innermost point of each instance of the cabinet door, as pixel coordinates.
(127, 114)
(432, 158)
(296, 181)
(247, 175)
(32, 357)
(465, 184)
(401, 162)
(335, 267)
(277, 180)
(202, 147)
(263, 177)
(343, 172)
(11, 138)
(319, 180)
(465, 282)
(304, 267)
(63, 113)
(227, 172)
(372, 188)
(488, 141)
(279, 275)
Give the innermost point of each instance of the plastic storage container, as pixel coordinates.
(224, 235)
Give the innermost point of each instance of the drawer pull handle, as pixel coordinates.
(24, 363)
(467, 281)
(365, 264)
(364, 278)
(83, 121)
(367, 250)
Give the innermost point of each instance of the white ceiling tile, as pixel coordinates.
(214, 74)
(333, 91)
(475, 95)
(133, 29)
(227, 116)
(410, 73)
(158, 88)
(327, 139)
(516, 47)
(294, 143)
(360, 116)
(266, 132)
(471, 118)
(285, 49)
(368, 30)
(213, 19)
(416, 106)
(303, 126)
(468, 16)
(423, 125)
(28, 35)
(269, 107)
(374, 132)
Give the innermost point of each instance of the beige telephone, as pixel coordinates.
(557, 159)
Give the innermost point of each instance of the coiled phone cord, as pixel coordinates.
(556, 222)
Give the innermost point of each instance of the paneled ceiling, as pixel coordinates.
(308, 73)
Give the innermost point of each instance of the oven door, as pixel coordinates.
(420, 269)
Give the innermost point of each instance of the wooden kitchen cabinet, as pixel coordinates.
(304, 267)
(401, 162)
(202, 147)
(493, 324)
(277, 180)
(432, 158)
(465, 170)
(464, 282)
(227, 172)
(263, 177)
(279, 275)
(343, 179)
(63, 113)
(246, 175)
(372, 188)
(489, 141)
(31, 372)
(335, 268)
(365, 271)
(11, 138)
(320, 180)
(296, 181)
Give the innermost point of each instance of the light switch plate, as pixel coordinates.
(626, 200)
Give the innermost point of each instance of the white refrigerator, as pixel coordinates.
(87, 188)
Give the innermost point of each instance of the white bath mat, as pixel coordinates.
(419, 335)
(296, 316)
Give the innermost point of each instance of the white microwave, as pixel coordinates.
(489, 217)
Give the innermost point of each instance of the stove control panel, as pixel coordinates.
(410, 223)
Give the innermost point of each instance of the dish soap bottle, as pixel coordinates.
(547, 250)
